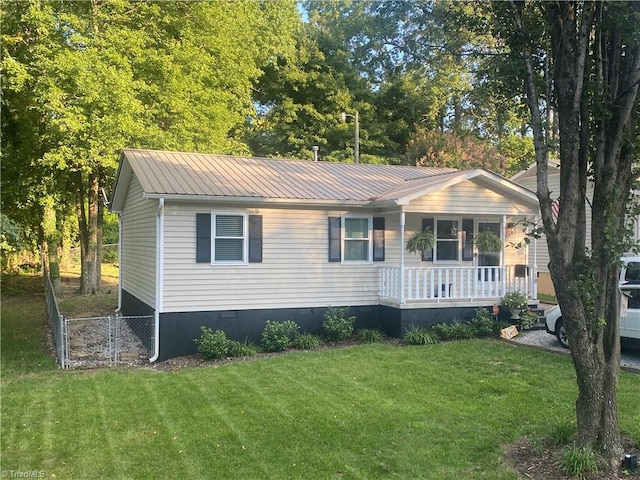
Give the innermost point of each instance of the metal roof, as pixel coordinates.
(178, 175)
(197, 174)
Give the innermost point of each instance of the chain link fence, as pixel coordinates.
(56, 321)
(99, 341)
(108, 341)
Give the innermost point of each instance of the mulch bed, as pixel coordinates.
(544, 462)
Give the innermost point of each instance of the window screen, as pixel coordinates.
(229, 238)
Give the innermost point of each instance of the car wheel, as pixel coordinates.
(561, 334)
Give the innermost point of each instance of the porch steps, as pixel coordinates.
(538, 310)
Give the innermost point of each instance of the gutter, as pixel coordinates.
(258, 200)
(159, 278)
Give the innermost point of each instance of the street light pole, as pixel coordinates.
(356, 137)
(356, 148)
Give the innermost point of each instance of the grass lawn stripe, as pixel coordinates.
(228, 433)
(375, 411)
(169, 406)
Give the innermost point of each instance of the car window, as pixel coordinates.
(634, 296)
(632, 274)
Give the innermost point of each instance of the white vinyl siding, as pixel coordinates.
(295, 271)
(138, 240)
(469, 197)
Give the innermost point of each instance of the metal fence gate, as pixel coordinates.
(99, 341)
(107, 341)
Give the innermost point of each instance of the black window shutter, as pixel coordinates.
(427, 256)
(378, 239)
(334, 239)
(203, 237)
(255, 238)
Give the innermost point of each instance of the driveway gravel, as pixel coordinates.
(630, 359)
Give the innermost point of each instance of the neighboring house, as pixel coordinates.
(230, 242)
(538, 252)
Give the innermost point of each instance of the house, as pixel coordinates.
(230, 242)
(538, 252)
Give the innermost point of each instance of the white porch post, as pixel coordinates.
(402, 223)
(503, 237)
(534, 273)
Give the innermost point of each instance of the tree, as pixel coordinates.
(407, 67)
(99, 76)
(593, 49)
(446, 149)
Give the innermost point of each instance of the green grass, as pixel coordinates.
(546, 298)
(374, 411)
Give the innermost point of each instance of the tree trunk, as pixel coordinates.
(99, 230)
(595, 121)
(88, 223)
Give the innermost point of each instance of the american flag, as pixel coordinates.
(555, 208)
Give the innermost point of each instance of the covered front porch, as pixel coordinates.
(458, 242)
(434, 284)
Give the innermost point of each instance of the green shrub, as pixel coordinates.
(453, 331)
(368, 335)
(212, 345)
(443, 331)
(462, 331)
(239, 349)
(527, 320)
(415, 335)
(278, 336)
(336, 325)
(306, 341)
(483, 323)
(579, 462)
(110, 256)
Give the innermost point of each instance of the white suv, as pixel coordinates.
(629, 317)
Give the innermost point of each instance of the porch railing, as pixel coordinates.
(435, 284)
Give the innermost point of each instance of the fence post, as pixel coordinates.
(65, 343)
(116, 342)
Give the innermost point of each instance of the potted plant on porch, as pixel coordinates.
(516, 302)
(489, 246)
(421, 242)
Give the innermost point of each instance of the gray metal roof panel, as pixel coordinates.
(193, 174)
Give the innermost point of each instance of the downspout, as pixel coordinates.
(119, 309)
(402, 223)
(159, 278)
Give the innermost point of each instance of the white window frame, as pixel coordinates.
(458, 221)
(344, 239)
(245, 237)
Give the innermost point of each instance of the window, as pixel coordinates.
(229, 238)
(447, 240)
(363, 239)
(357, 239)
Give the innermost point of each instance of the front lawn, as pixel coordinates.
(374, 411)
